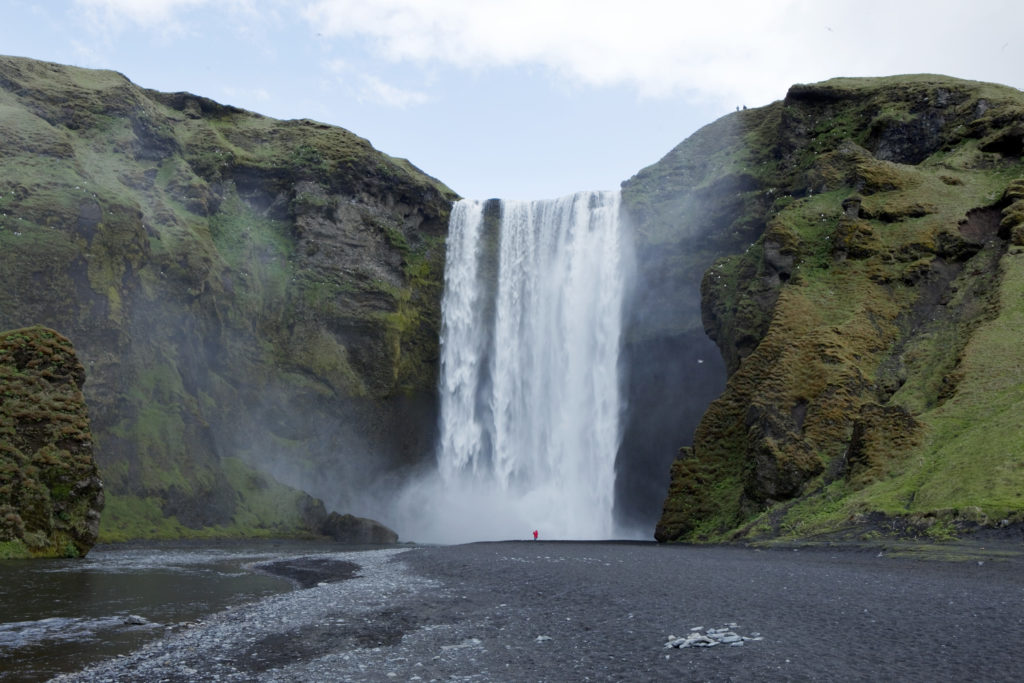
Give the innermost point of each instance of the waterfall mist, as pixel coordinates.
(530, 387)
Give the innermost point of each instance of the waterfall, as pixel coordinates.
(529, 388)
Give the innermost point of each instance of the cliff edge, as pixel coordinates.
(254, 301)
(867, 301)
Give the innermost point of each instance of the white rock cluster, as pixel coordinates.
(699, 637)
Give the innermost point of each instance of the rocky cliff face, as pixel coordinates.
(246, 295)
(867, 302)
(50, 491)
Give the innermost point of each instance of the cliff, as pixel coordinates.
(865, 239)
(51, 495)
(825, 312)
(253, 300)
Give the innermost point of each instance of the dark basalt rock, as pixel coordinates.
(782, 461)
(357, 530)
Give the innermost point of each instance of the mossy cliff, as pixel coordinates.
(50, 491)
(247, 295)
(868, 302)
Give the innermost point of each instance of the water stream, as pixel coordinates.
(61, 615)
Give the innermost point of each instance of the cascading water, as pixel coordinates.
(529, 388)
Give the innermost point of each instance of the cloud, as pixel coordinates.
(655, 46)
(170, 18)
(727, 50)
(142, 12)
(375, 90)
(247, 94)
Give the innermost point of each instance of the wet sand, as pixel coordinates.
(540, 611)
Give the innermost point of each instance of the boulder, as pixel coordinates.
(357, 530)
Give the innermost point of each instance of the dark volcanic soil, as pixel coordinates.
(541, 611)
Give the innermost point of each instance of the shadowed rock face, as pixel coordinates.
(357, 530)
(251, 298)
(51, 495)
(853, 252)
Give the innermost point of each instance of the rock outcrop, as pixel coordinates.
(253, 300)
(51, 495)
(866, 297)
(357, 530)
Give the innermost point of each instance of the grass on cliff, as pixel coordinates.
(48, 478)
(973, 456)
(264, 509)
(160, 231)
(969, 468)
(256, 247)
(849, 313)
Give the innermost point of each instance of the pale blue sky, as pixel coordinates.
(522, 99)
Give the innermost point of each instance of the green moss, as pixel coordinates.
(14, 550)
(266, 509)
(253, 243)
(822, 512)
(313, 203)
(972, 457)
(131, 517)
(858, 300)
(49, 486)
(941, 531)
(165, 228)
(328, 361)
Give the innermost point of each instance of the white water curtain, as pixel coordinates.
(530, 389)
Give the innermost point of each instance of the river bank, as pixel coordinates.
(59, 615)
(603, 611)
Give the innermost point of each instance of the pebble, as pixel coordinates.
(712, 637)
(212, 648)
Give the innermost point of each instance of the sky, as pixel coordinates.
(519, 99)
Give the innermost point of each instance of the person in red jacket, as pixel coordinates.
(535, 534)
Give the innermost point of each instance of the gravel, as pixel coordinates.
(540, 611)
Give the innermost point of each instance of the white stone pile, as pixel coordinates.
(699, 637)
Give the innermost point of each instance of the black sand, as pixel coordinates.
(542, 611)
(824, 615)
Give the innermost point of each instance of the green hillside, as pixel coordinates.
(247, 295)
(869, 318)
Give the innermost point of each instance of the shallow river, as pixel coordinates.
(61, 615)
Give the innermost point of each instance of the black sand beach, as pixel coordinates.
(526, 611)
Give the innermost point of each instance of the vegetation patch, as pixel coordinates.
(218, 270)
(869, 329)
